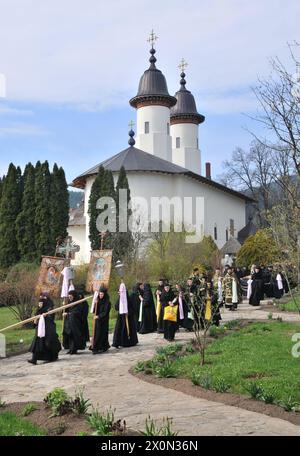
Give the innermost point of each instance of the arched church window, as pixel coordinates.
(226, 234)
(177, 143)
(147, 127)
(168, 128)
(215, 232)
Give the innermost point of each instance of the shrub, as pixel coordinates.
(270, 316)
(169, 350)
(289, 404)
(254, 390)
(205, 381)
(2, 403)
(28, 409)
(221, 386)
(268, 396)
(232, 324)
(139, 367)
(80, 405)
(59, 402)
(166, 370)
(18, 293)
(102, 422)
(152, 430)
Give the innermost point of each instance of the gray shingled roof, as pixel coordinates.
(134, 159)
(249, 230)
(232, 246)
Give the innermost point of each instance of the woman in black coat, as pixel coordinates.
(101, 322)
(148, 322)
(45, 348)
(168, 298)
(125, 334)
(257, 287)
(75, 332)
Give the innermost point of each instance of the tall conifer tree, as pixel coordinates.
(25, 223)
(44, 243)
(59, 204)
(123, 240)
(9, 210)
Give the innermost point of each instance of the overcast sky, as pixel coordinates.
(72, 65)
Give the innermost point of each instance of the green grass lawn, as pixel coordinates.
(19, 339)
(290, 305)
(261, 350)
(12, 425)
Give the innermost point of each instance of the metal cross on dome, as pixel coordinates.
(152, 38)
(131, 125)
(68, 248)
(183, 64)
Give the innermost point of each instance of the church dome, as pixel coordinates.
(153, 89)
(185, 110)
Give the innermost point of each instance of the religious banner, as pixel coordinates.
(99, 269)
(50, 276)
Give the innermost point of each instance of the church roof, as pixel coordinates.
(137, 160)
(153, 87)
(249, 230)
(185, 108)
(231, 247)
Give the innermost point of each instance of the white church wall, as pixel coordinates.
(187, 155)
(78, 233)
(219, 207)
(158, 141)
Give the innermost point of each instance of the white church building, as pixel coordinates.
(163, 163)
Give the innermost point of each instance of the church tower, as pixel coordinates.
(184, 128)
(153, 103)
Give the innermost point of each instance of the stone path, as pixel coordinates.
(107, 382)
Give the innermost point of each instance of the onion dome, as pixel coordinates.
(153, 89)
(185, 110)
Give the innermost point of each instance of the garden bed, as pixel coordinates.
(252, 358)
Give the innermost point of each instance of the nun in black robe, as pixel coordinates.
(125, 334)
(148, 323)
(45, 348)
(184, 320)
(159, 309)
(101, 316)
(170, 327)
(136, 302)
(75, 332)
(257, 288)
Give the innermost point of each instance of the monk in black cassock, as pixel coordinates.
(125, 334)
(137, 292)
(101, 316)
(75, 332)
(185, 320)
(148, 323)
(168, 298)
(45, 345)
(159, 309)
(257, 287)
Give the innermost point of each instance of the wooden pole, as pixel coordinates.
(53, 311)
(94, 323)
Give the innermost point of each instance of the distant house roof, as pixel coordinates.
(137, 160)
(249, 230)
(76, 216)
(231, 247)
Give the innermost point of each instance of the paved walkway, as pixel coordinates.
(107, 382)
